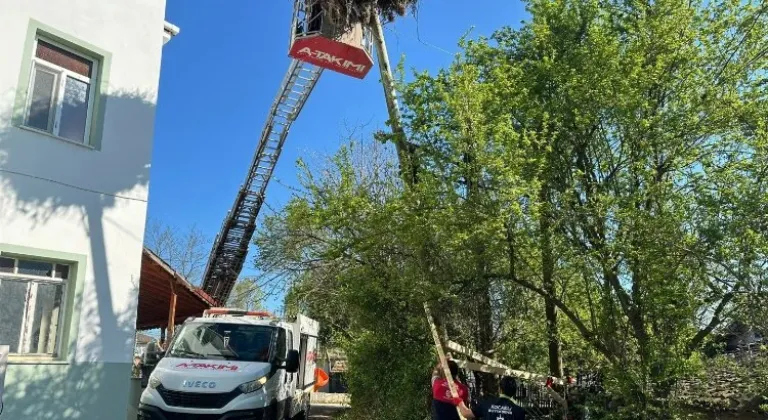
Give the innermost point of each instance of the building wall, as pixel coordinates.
(84, 203)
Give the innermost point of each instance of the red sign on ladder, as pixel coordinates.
(332, 55)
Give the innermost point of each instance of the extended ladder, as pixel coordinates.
(231, 245)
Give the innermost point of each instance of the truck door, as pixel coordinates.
(305, 336)
(300, 398)
(281, 350)
(308, 329)
(290, 378)
(302, 358)
(309, 360)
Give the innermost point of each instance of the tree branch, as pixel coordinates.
(713, 323)
(577, 322)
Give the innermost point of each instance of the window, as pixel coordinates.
(32, 296)
(208, 340)
(60, 100)
(282, 344)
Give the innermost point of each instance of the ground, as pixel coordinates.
(323, 413)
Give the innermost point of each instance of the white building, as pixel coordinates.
(78, 87)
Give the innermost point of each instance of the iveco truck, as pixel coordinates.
(234, 365)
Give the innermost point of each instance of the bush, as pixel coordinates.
(386, 381)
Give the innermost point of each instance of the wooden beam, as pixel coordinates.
(441, 357)
(479, 367)
(499, 368)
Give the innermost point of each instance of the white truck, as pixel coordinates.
(234, 365)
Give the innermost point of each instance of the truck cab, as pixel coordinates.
(234, 365)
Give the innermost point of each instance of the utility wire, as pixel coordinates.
(418, 35)
(124, 197)
(418, 38)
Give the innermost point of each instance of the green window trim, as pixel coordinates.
(100, 88)
(72, 315)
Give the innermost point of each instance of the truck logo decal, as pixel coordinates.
(332, 59)
(207, 366)
(198, 384)
(311, 356)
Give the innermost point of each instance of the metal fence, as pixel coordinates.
(536, 401)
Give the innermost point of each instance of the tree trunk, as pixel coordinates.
(553, 335)
(548, 268)
(486, 383)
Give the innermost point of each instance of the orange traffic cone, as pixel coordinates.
(321, 378)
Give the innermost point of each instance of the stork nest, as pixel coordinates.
(349, 12)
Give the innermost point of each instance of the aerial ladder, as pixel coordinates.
(316, 44)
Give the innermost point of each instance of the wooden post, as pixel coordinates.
(441, 357)
(172, 312)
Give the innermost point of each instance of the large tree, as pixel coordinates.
(650, 122)
(605, 162)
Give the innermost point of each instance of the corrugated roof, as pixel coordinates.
(143, 338)
(155, 294)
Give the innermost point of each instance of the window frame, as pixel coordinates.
(25, 337)
(58, 91)
(289, 337)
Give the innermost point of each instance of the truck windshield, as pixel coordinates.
(249, 343)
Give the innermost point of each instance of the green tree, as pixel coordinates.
(591, 189)
(342, 245)
(650, 115)
(246, 295)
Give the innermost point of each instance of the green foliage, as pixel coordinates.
(246, 295)
(607, 158)
(386, 380)
(341, 246)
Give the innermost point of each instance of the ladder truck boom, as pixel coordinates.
(230, 247)
(317, 43)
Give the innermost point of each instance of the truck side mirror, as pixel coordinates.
(292, 361)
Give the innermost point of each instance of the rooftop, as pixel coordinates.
(156, 285)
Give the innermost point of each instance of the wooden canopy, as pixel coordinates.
(165, 297)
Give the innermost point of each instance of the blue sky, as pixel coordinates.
(221, 74)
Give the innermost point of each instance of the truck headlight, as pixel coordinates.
(154, 382)
(253, 386)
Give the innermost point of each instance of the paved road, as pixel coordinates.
(324, 406)
(322, 413)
